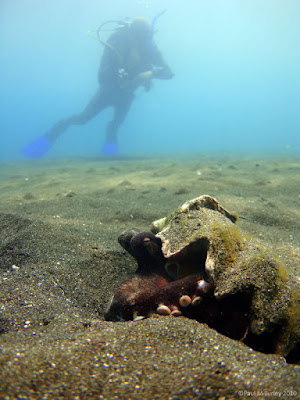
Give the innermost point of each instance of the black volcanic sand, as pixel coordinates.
(61, 263)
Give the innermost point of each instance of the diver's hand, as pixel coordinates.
(144, 79)
(145, 76)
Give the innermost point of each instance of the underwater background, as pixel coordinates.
(236, 86)
(227, 125)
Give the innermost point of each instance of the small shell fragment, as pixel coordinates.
(138, 318)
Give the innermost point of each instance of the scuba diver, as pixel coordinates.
(130, 59)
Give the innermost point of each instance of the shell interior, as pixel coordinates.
(188, 260)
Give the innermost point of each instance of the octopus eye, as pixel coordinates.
(146, 240)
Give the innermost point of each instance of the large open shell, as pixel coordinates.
(202, 236)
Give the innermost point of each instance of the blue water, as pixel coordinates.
(236, 86)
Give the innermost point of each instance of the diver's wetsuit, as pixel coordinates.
(125, 59)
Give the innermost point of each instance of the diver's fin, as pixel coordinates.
(109, 149)
(37, 148)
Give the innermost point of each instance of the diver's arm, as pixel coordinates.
(162, 72)
(160, 69)
(142, 79)
(145, 78)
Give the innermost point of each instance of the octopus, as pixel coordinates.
(197, 264)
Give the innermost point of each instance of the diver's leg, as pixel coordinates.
(121, 108)
(42, 144)
(97, 104)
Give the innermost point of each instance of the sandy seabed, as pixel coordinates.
(60, 263)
